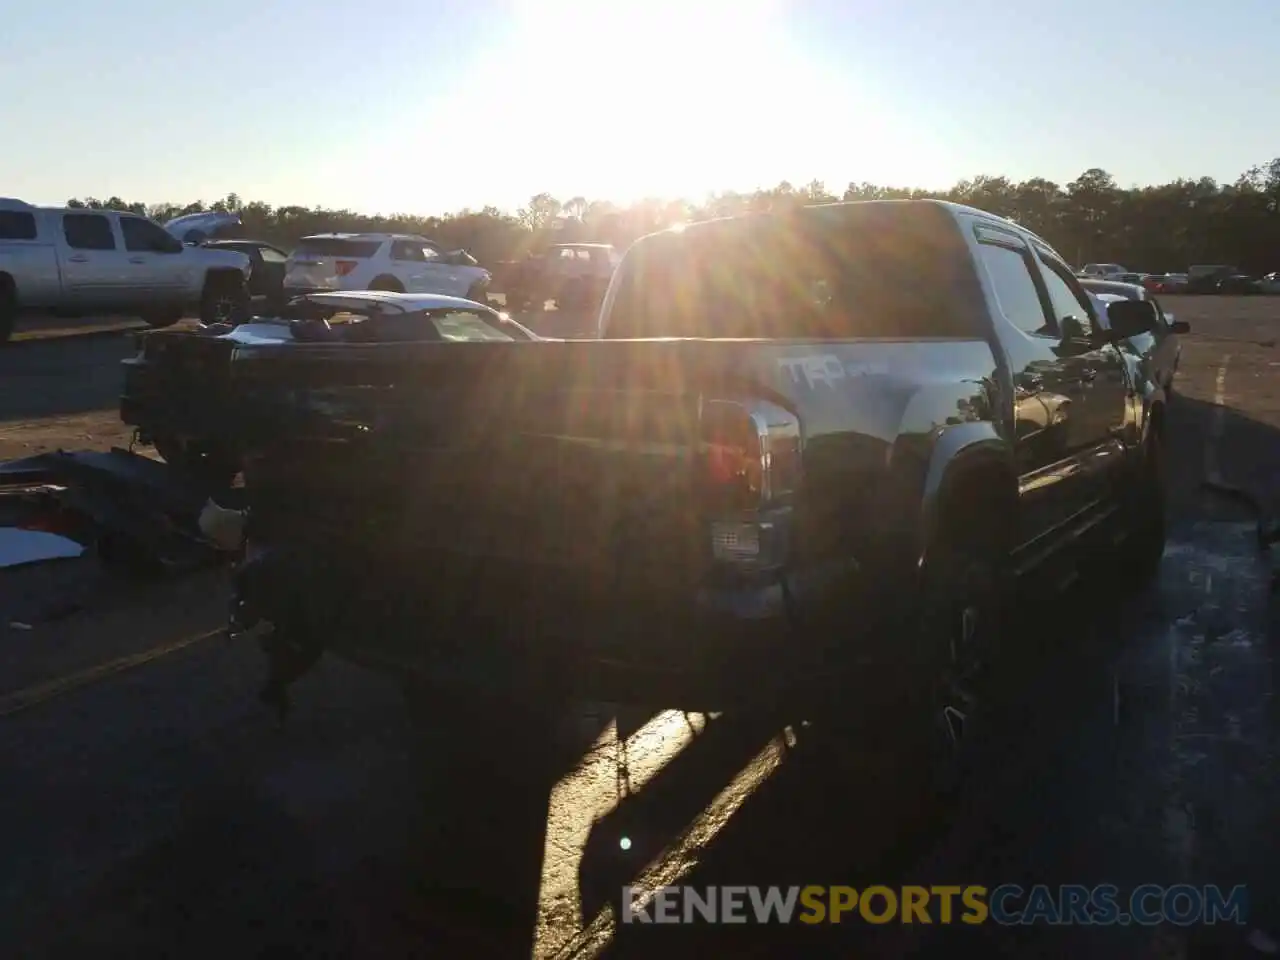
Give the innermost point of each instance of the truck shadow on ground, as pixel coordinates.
(1078, 737)
(1069, 790)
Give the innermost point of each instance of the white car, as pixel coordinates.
(394, 262)
(1102, 271)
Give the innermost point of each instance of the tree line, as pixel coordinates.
(1159, 229)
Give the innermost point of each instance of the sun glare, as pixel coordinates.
(625, 100)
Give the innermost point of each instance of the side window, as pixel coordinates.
(143, 236)
(88, 231)
(566, 254)
(1015, 289)
(17, 225)
(405, 250)
(1066, 298)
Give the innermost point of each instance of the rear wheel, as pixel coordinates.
(387, 285)
(8, 309)
(925, 730)
(162, 318)
(1144, 548)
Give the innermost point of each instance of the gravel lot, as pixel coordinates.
(158, 811)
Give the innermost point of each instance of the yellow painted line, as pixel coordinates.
(40, 335)
(32, 696)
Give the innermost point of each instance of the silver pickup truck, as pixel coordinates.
(81, 262)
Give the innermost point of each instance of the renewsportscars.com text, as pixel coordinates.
(1009, 904)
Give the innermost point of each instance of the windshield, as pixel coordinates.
(461, 325)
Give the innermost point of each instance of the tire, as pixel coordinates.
(387, 285)
(924, 726)
(8, 310)
(225, 300)
(963, 612)
(157, 321)
(1142, 551)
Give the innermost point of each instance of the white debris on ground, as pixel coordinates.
(19, 547)
(224, 527)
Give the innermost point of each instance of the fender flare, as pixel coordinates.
(959, 450)
(1154, 417)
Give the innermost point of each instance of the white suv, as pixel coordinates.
(398, 262)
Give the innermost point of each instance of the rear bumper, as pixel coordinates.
(513, 636)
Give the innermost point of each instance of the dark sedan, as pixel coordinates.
(267, 278)
(1161, 349)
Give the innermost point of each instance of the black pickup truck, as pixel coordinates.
(807, 452)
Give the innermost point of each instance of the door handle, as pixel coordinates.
(137, 260)
(79, 258)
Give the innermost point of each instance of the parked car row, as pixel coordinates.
(781, 476)
(1201, 278)
(75, 262)
(1160, 349)
(574, 275)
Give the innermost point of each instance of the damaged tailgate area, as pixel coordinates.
(134, 514)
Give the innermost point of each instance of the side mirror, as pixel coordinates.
(1179, 326)
(1129, 318)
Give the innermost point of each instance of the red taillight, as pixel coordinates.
(344, 267)
(733, 457)
(750, 452)
(751, 466)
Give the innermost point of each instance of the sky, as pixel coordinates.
(430, 106)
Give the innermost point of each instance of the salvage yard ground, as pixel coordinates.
(157, 810)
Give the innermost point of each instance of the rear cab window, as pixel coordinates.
(88, 231)
(829, 272)
(17, 225)
(1006, 260)
(344, 247)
